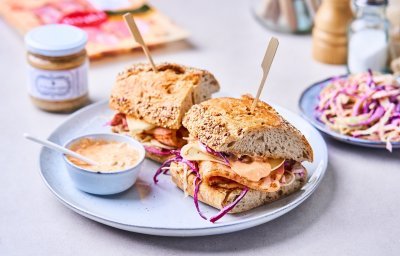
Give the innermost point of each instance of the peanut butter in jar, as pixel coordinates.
(58, 65)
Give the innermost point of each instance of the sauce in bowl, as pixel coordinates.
(112, 156)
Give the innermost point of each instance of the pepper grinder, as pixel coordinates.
(330, 31)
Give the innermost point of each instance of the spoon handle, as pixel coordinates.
(59, 148)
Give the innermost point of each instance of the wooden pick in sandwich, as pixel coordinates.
(138, 37)
(266, 65)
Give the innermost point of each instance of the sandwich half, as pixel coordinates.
(150, 105)
(235, 159)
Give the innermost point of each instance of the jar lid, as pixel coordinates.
(55, 40)
(371, 2)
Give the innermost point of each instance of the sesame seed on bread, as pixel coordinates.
(161, 98)
(228, 125)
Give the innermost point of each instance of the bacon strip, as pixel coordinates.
(119, 119)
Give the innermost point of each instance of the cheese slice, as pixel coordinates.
(137, 126)
(193, 151)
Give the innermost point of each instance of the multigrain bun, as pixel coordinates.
(228, 125)
(161, 98)
(219, 197)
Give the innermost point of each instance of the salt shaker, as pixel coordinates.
(368, 37)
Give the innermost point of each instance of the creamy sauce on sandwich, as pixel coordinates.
(255, 169)
(112, 156)
(252, 169)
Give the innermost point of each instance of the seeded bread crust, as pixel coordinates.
(228, 125)
(161, 98)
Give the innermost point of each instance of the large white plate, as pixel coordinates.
(162, 209)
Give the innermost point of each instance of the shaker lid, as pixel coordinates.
(371, 2)
(55, 40)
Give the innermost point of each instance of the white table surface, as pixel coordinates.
(355, 211)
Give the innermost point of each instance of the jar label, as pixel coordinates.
(56, 85)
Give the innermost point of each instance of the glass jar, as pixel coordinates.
(58, 65)
(290, 16)
(368, 37)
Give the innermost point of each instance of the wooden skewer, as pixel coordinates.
(266, 65)
(60, 149)
(138, 37)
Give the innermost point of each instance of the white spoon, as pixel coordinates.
(59, 148)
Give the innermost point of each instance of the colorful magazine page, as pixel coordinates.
(101, 19)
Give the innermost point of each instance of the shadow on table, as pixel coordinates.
(280, 230)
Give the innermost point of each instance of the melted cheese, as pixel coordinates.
(193, 151)
(137, 126)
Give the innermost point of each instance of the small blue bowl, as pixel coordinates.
(105, 183)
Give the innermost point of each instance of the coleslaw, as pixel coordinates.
(365, 106)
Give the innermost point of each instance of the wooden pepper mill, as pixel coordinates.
(330, 31)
